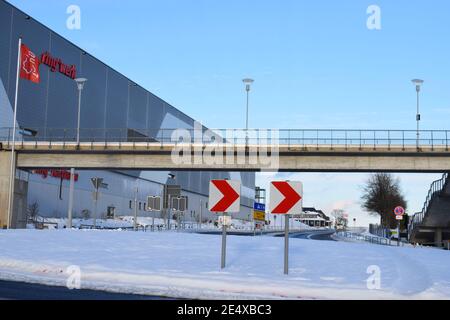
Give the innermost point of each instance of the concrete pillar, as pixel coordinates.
(5, 172)
(438, 238)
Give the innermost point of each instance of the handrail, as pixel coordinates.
(343, 138)
(435, 190)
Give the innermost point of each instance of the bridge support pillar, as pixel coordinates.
(438, 238)
(5, 174)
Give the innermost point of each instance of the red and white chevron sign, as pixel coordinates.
(224, 196)
(286, 197)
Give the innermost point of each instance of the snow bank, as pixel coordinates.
(187, 265)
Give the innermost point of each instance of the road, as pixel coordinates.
(325, 235)
(10, 290)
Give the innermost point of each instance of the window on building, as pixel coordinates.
(140, 205)
(131, 204)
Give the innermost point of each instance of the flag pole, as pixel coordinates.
(13, 155)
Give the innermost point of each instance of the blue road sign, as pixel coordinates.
(259, 206)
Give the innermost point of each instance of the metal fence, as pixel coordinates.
(435, 190)
(283, 137)
(364, 238)
(378, 230)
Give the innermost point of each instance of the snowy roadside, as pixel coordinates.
(187, 265)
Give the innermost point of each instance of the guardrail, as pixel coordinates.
(435, 190)
(365, 238)
(283, 137)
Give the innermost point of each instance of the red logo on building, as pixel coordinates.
(29, 65)
(57, 64)
(61, 174)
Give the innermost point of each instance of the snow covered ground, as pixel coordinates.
(188, 265)
(126, 222)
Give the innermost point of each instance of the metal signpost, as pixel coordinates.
(399, 212)
(98, 183)
(286, 198)
(135, 208)
(153, 204)
(170, 191)
(224, 197)
(179, 206)
(259, 214)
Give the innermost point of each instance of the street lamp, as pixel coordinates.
(418, 84)
(248, 82)
(80, 85)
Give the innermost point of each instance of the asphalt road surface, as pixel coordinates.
(325, 235)
(10, 290)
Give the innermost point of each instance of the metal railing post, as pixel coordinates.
(64, 142)
(346, 144)
(331, 139)
(403, 140)
(432, 140)
(289, 139)
(446, 140)
(360, 140)
(317, 140)
(389, 140)
(374, 140)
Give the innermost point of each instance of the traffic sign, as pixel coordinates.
(179, 204)
(224, 196)
(98, 183)
(259, 206)
(153, 203)
(399, 211)
(225, 221)
(399, 217)
(259, 215)
(286, 197)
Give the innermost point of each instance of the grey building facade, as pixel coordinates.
(112, 105)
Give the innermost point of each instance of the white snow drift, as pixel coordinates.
(188, 265)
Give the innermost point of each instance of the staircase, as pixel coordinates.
(436, 209)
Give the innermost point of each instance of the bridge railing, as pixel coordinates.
(436, 189)
(283, 137)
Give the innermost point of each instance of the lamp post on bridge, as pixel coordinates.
(418, 83)
(248, 83)
(80, 86)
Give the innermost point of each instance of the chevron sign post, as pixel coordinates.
(286, 197)
(224, 197)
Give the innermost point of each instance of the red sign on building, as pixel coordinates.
(61, 174)
(57, 64)
(29, 65)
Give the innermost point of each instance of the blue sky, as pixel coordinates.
(315, 63)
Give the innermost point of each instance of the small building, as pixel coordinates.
(313, 218)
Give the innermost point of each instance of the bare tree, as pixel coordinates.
(381, 194)
(33, 211)
(340, 218)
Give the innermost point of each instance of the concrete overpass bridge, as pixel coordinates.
(225, 150)
(233, 150)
